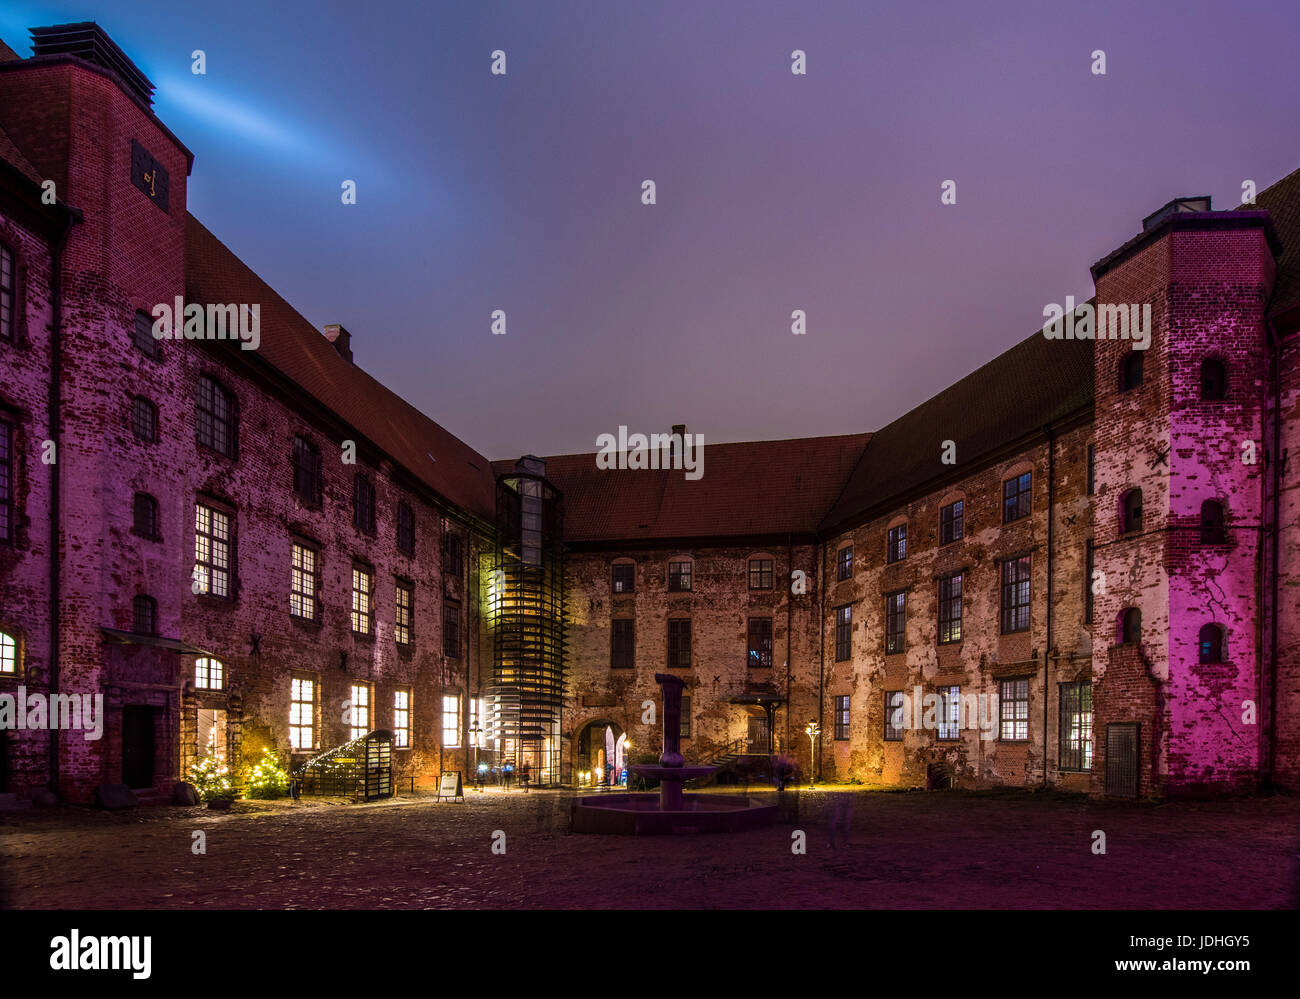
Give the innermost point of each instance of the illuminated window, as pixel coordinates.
(403, 624)
(1013, 709)
(950, 609)
(679, 577)
(949, 712)
(842, 718)
(895, 622)
(450, 721)
(214, 417)
(359, 711)
(212, 551)
(760, 574)
(8, 653)
(362, 588)
(1076, 726)
(209, 674)
(760, 642)
(893, 715)
(303, 583)
(402, 719)
(302, 714)
(844, 563)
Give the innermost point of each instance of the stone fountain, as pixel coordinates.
(669, 811)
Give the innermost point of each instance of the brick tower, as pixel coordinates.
(1180, 461)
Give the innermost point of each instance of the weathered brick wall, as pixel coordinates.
(719, 605)
(984, 655)
(1287, 681)
(24, 564)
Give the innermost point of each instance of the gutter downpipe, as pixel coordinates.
(821, 655)
(1270, 770)
(1051, 518)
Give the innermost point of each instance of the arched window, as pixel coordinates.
(1131, 515)
(8, 654)
(1211, 643)
(1212, 530)
(145, 516)
(209, 673)
(8, 280)
(214, 417)
(1130, 370)
(1130, 627)
(144, 616)
(1214, 379)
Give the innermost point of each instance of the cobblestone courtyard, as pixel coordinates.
(906, 850)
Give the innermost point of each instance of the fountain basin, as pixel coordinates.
(641, 814)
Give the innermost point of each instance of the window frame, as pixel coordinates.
(364, 515)
(618, 569)
(451, 637)
(754, 655)
(843, 633)
(681, 575)
(1220, 639)
(1015, 720)
(896, 544)
(364, 708)
(622, 647)
(313, 574)
(841, 715)
(453, 729)
(949, 698)
(1067, 731)
(203, 676)
(1017, 497)
(8, 485)
(213, 420)
(402, 717)
(895, 622)
(210, 566)
(308, 471)
(1011, 609)
(947, 601)
(139, 404)
(142, 602)
(296, 702)
(142, 337)
(9, 299)
(679, 643)
(405, 518)
(844, 563)
(952, 522)
(362, 609)
(1131, 371)
(145, 504)
(14, 640)
(892, 732)
(765, 570)
(404, 613)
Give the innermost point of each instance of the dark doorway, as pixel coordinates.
(758, 733)
(137, 746)
(1122, 760)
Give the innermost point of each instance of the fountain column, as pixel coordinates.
(670, 785)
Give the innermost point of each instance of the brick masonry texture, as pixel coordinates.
(1201, 727)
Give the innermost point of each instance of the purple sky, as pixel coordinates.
(775, 191)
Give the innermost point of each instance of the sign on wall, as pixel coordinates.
(149, 175)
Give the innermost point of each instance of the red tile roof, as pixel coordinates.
(750, 489)
(291, 344)
(1282, 202)
(1036, 382)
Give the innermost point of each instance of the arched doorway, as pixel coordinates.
(600, 757)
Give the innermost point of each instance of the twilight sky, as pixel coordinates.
(775, 192)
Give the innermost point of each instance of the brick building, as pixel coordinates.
(1078, 566)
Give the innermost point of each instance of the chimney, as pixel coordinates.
(678, 441)
(341, 339)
